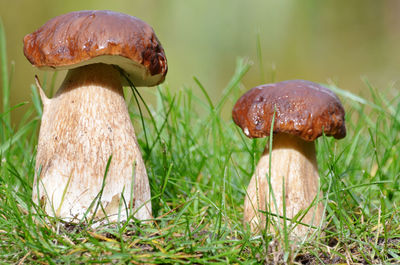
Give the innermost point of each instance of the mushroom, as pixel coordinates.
(86, 125)
(303, 111)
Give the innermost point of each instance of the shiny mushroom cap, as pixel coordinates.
(86, 37)
(303, 108)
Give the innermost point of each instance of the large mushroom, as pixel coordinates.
(87, 124)
(303, 111)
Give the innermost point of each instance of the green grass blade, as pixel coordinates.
(5, 82)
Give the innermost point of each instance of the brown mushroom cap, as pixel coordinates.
(85, 37)
(303, 108)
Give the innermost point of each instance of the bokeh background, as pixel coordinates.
(338, 40)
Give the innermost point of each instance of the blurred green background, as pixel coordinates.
(316, 40)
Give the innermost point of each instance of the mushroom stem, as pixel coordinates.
(294, 168)
(83, 126)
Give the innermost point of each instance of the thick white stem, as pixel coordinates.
(294, 172)
(85, 124)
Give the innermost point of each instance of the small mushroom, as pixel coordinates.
(87, 122)
(303, 111)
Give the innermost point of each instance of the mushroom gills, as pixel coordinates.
(83, 126)
(134, 70)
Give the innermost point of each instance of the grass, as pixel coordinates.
(199, 166)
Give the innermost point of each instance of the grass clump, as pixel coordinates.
(199, 166)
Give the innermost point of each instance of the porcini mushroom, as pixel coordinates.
(87, 123)
(303, 111)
